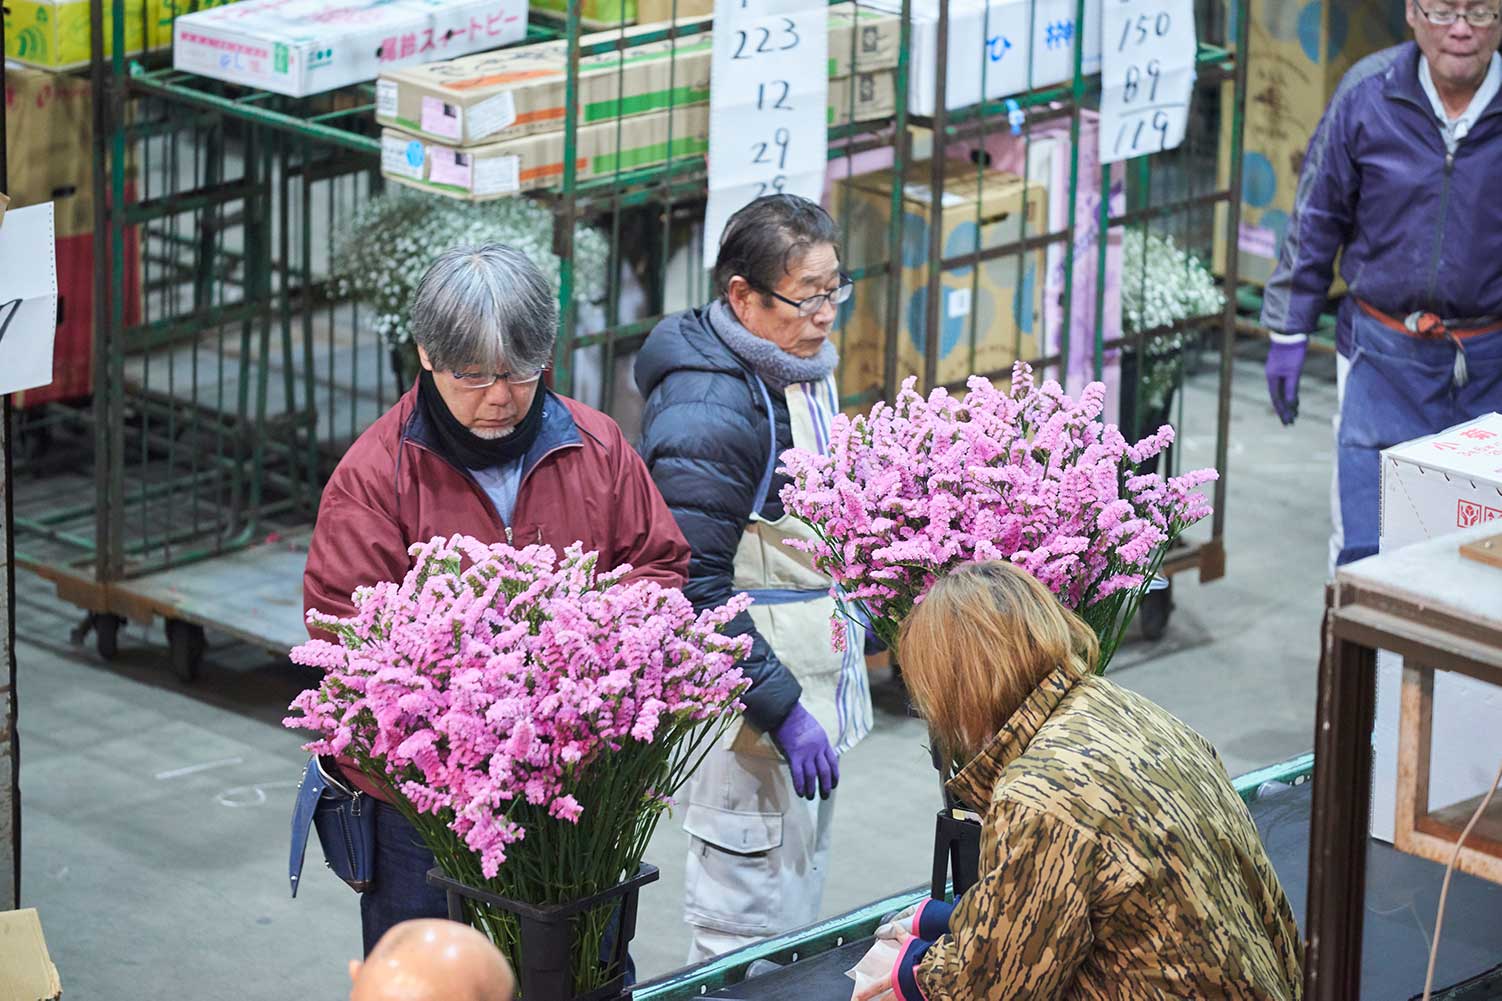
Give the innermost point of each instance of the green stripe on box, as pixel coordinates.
(646, 155)
(650, 101)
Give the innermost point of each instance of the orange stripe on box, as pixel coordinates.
(514, 77)
(551, 170)
(541, 115)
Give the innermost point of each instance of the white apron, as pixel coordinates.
(757, 852)
(793, 607)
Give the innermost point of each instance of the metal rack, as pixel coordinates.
(219, 412)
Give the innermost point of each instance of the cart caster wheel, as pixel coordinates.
(1157, 606)
(187, 643)
(107, 634)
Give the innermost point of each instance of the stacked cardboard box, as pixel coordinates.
(496, 119)
(597, 14)
(301, 47)
(1298, 54)
(1001, 306)
(49, 137)
(54, 34)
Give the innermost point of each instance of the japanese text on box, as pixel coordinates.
(1147, 76)
(768, 100)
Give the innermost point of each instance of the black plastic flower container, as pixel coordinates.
(545, 970)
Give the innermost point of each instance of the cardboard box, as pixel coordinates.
(992, 36)
(524, 163)
(54, 34)
(862, 39)
(521, 91)
(874, 96)
(648, 11)
(594, 13)
(26, 970)
(1432, 487)
(49, 135)
(1002, 314)
(1298, 55)
(301, 47)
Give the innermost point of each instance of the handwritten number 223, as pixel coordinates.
(763, 44)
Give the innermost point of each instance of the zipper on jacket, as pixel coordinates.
(1439, 234)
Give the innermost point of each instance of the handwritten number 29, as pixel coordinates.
(778, 148)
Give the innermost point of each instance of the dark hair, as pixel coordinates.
(766, 239)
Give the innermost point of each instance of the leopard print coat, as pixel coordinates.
(1117, 862)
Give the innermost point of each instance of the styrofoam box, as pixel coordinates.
(991, 36)
(1432, 487)
(301, 47)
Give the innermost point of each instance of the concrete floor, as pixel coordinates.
(155, 815)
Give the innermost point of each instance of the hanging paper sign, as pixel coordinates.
(768, 106)
(28, 298)
(1147, 76)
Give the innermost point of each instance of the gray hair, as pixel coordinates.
(485, 306)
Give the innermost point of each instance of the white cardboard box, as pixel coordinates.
(996, 41)
(301, 47)
(1431, 487)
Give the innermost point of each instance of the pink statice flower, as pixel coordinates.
(1021, 473)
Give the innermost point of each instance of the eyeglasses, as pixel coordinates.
(1476, 17)
(808, 307)
(484, 380)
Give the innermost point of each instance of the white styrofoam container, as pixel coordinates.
(301, 47)
(992, 38)
(1432, 487)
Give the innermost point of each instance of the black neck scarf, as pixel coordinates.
(459, 444)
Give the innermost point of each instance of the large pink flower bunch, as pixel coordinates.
(1022, 473)
(530, 715)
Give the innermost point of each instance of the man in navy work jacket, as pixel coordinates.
(1401, 179)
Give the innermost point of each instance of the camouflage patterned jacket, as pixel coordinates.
(1117, 861)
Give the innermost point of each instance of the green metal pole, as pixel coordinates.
(1077, 97)
(902, 146)
(10, 749)
(563, 227)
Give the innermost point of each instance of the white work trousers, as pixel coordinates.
(757, 854)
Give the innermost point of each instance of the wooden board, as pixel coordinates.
(254, 595)
(1488, 551)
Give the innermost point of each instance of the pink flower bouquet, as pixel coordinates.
(530, 716)
(1022, 474)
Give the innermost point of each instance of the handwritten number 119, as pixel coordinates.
(1133, 132)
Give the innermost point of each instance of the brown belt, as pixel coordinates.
(1430, 326)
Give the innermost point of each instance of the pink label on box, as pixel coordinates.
(441, 119)
(447, 166)
(1259, 241)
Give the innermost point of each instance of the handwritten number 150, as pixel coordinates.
(1144, 25)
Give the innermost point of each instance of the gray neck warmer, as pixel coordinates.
(777, 368)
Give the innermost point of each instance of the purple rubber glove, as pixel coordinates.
(812, 761)
(1285, 360)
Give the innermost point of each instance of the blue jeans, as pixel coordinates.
(1400, 388)
(400, 889)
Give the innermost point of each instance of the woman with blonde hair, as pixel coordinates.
(1117, 861)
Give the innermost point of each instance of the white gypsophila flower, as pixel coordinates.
(389, 242)
(1163, 285)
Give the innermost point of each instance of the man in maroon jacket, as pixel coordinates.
(479, 446)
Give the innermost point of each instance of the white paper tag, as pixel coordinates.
(1147, 76)
(768, 106)
(28, 314)
(498, 175)
(957, 303)
(386, 99)
(492, 115)
(402, 157)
